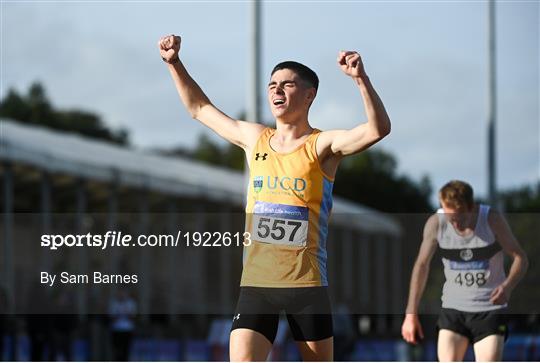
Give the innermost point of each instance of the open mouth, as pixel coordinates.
(278, 101)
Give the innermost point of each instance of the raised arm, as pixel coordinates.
(510, 245)
(411, 325)
(241, 133)
(339, 143)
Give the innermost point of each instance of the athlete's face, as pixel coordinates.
(460, 218)
(289, 95)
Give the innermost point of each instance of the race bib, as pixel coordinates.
(468, 274)
(280, 224)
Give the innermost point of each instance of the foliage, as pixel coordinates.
(35, 108)
(371, 178)
(211, 152)
(525, 199)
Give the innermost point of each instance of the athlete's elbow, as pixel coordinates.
(195, 108)
(195, 112)
(422, 266)
(384, 129)
(524, 261)
(387, 129)
(381, 135)
(380, 132)
(520, 257)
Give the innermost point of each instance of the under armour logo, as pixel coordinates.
(263, 156)
(236, 317)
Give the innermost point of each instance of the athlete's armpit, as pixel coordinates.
(347, 142)
(334, 145)
(241, 133)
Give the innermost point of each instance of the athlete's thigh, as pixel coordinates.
(310, 320)
(451, 346)
(320, 350)
(254, 325)
(489, 349)
(248, 345)
(489, 330)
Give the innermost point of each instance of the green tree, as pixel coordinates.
(14, 106)
(35, 108)
(210, 152)
(525, 199)
(371, 178)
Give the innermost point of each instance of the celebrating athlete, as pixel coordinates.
(292, 169)
(472, 238)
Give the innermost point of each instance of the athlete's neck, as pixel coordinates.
(470, 224)
(286, 132)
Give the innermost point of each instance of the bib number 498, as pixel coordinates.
(469, 279)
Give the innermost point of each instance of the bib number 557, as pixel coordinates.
(280, 231)
(277, 231)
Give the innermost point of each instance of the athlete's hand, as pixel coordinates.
(169, 46)
(500, 295)
(412, 328)
(351, 64)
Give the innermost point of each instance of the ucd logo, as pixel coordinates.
(286, 183)
(257, 183)
(283, 183)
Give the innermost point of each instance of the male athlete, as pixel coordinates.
(472, 238)
(292, 169)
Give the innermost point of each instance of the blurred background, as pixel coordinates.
(94, 138)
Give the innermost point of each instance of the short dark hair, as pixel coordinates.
(305, 73)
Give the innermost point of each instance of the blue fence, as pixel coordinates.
(517, 348)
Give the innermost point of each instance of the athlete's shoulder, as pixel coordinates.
(495, 217)
(325, 137)
(252, 132)
(255, 135)
(432, 225)
(433, 220)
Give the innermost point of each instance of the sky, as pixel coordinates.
(426, 59)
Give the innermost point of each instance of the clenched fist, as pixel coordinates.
(169, 46)
(350, 63)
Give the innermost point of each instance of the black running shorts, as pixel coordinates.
(475, 326)
(307, 309)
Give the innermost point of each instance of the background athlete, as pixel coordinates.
(292, 168)
(472, 238)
